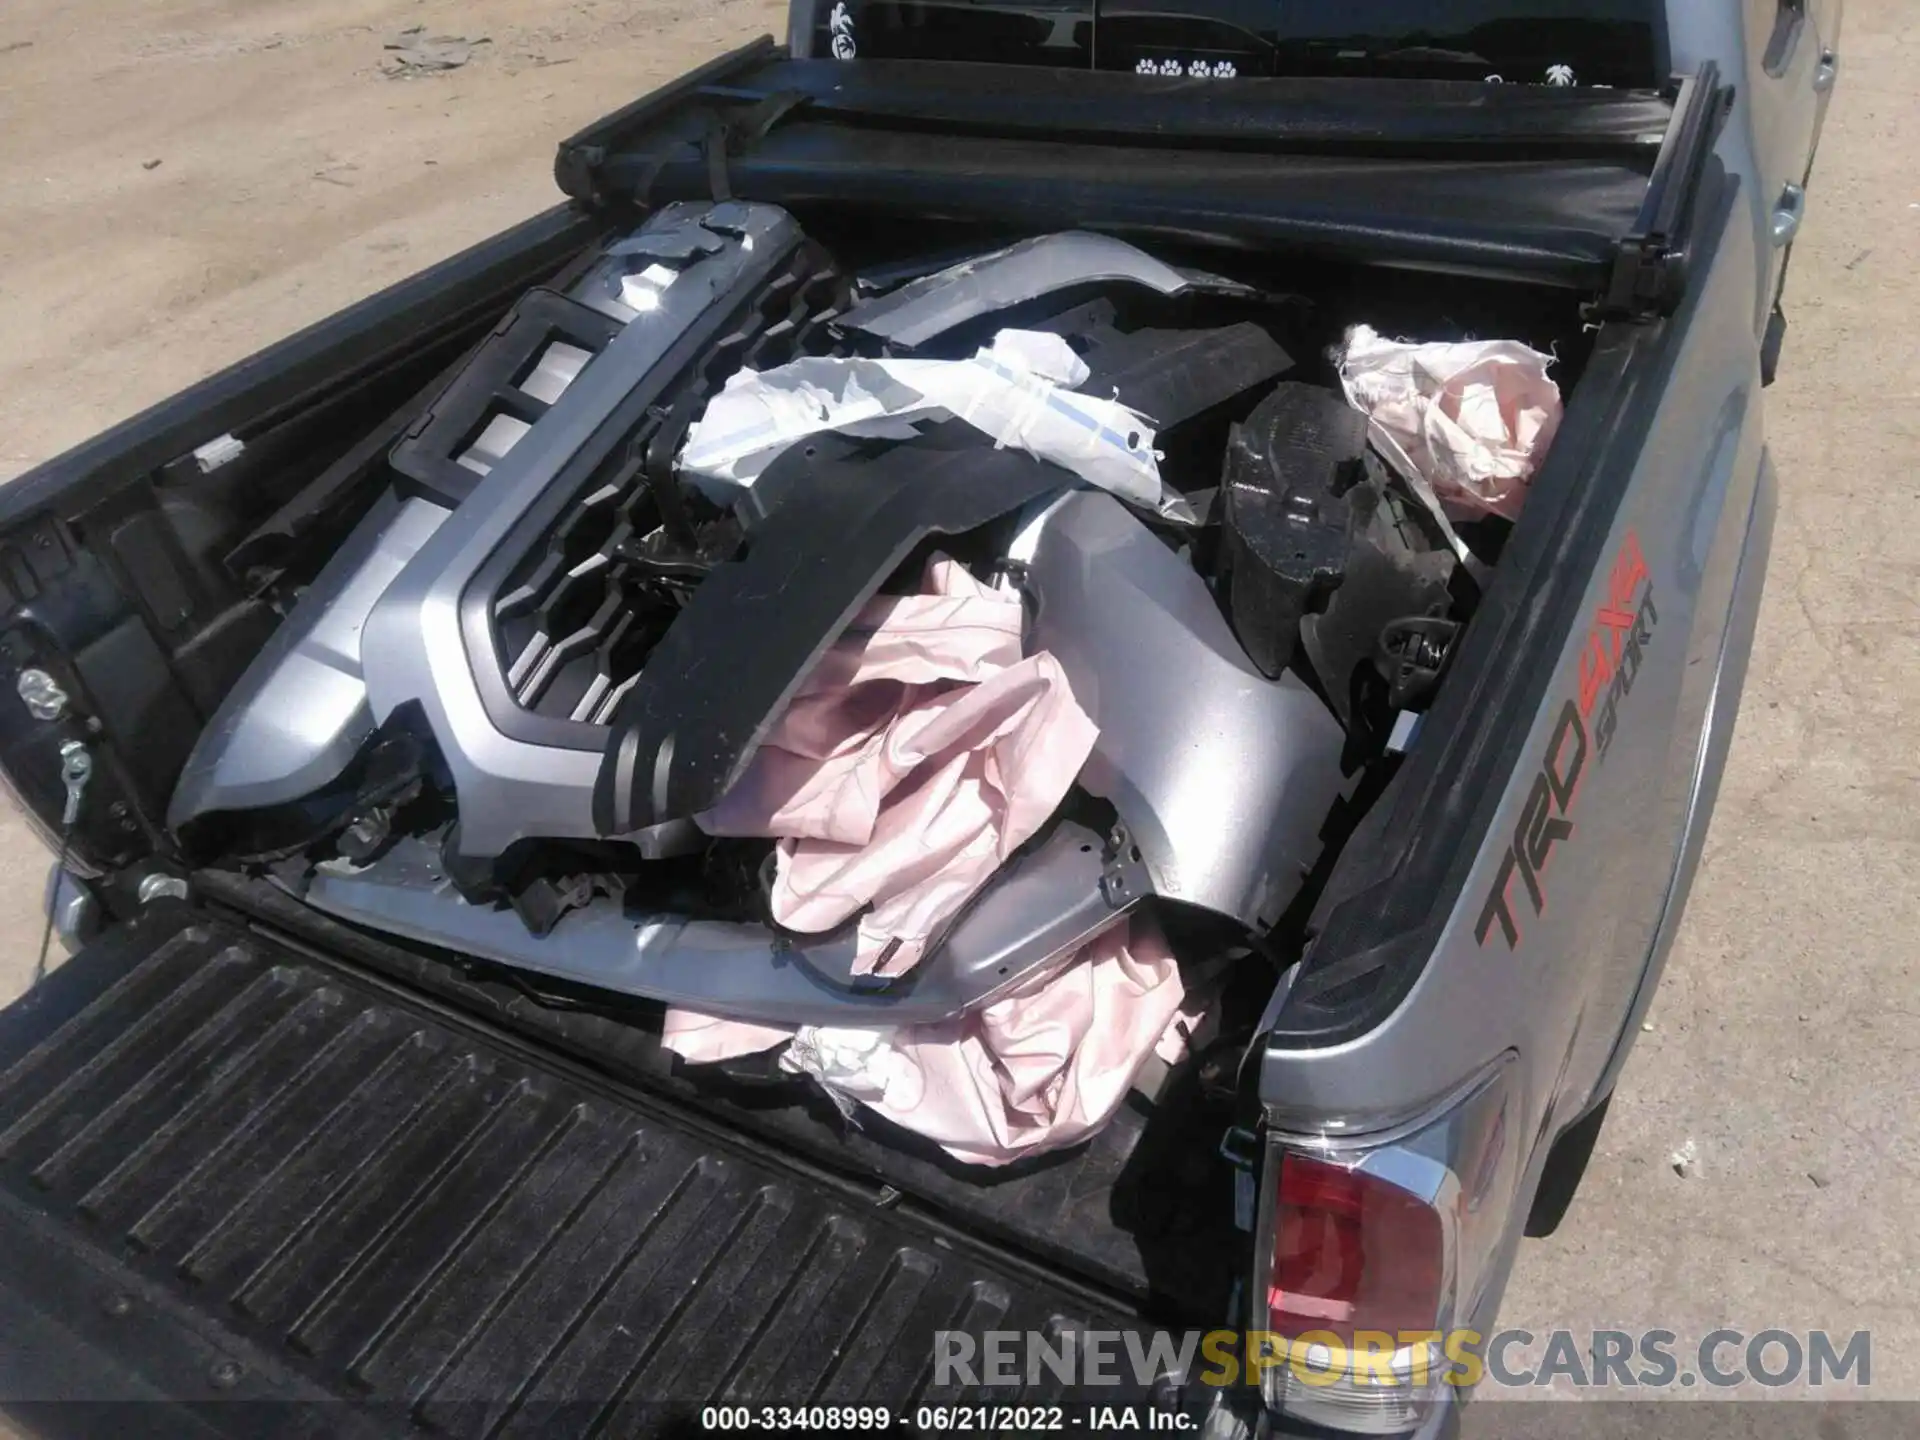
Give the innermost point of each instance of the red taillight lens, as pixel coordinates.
(1352, 1253)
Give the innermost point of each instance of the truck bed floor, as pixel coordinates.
(231, 1173)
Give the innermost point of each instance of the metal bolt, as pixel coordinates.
(76, 768)
(225, 1374)
(44, 698)
(161, 886)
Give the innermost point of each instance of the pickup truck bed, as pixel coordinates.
(250, 1151)
(241, 1174)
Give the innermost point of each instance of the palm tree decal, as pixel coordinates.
(841, 24)
(1559, 75)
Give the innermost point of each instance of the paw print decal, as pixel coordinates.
(1193, 70)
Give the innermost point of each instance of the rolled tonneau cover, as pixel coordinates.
(1529, 183)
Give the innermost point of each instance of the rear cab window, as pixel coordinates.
(1617, 43)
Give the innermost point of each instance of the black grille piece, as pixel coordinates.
(684, 732)
(577, 619)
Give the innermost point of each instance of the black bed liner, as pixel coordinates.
(229, 1173)
(1144, 1210)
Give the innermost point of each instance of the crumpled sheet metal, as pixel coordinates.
(919, 754)
(1039, 1069)
(1019, 391)
(1474, 418)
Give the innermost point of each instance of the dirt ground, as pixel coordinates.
(185, 182)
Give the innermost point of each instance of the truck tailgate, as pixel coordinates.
(229, 1172)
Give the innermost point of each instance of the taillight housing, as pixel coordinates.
(1371, 1247)
(1352, 1252)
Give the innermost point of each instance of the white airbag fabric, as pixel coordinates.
(1019, 390)
(1041, 1068)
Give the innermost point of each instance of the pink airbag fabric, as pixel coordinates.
(1475, 417)
(918, 755)
(1041, 1068)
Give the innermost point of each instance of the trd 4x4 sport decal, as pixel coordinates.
(1581, 736)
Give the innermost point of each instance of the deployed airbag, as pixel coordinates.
(1474, 418)
(919, 754)
(1018, 392)
(1039, 1069)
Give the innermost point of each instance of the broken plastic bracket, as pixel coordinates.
(1288, 522)
(1413, 654)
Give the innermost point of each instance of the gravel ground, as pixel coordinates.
(188, 181)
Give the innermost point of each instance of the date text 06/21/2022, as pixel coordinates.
(941, 1419)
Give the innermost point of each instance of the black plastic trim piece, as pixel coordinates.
(486, 656)
(1771, 344)
(685, 732)
(1789, 23)
(428, 452)
(320, 500)
(312, 506)
(1651, 260)
(1175, 375)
